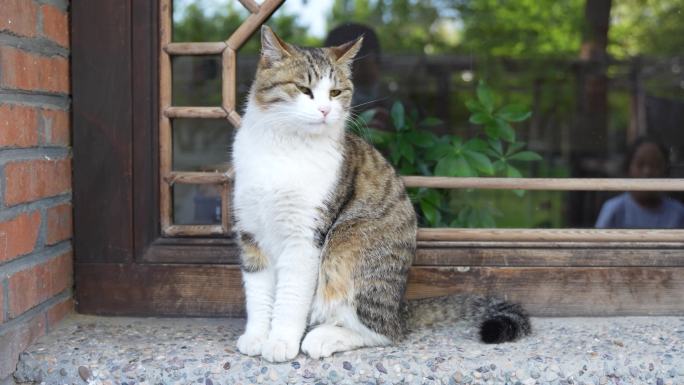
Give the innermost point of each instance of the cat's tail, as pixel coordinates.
(498, 320)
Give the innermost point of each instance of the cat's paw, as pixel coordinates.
(280, 349)
(251, 344)
(319, 344)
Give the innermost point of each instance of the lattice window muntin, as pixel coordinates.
(259, 13)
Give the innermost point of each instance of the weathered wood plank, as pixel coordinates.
(200, 48)
(547, 184)
(552, 291)
(525, 255)
(102, 132)
(551, 235)
(216, 290)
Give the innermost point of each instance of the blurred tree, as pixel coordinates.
(647, 27)
(522, 28)
(197, 24)
(407, 26)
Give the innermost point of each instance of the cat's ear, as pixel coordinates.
(273, 48)
(347, 51)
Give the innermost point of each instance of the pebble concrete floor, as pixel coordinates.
(128, 351)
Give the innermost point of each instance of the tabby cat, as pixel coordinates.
(326, 229)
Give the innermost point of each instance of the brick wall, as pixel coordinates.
(35, 174)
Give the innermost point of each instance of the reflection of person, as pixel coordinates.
(365, 70)
(647, 158)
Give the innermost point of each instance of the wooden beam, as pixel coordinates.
(205, 48)
(550, 184)
(195, 112)
(165, 97)
(216, 290)
(198, 177)
(550, 235)
(193, 230)
(228, 80)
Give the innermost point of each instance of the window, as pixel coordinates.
(553, 203)
(152, 230)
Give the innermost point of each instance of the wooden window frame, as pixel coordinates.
(124, 264)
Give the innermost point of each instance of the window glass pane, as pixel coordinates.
(196, 204)
(201, 144)
(196, 80)
(536, 89)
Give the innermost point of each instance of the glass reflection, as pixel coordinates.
(647, 158)
(591, 91)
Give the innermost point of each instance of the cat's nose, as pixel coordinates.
(324, 110)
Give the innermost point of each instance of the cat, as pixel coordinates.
(326, 229)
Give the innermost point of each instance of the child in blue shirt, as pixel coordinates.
(643, 209)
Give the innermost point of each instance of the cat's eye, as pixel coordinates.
(306, 91)
(334, 93)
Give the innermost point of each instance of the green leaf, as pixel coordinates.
(398, 115)
(476, 144)
(407, 151)
(474, 106)
(379, 137)
(500, 166)
(431, 121)
(433, 196)
(505, 130)
(421, 138)
(394, 153)
(454, 166)
(515, 147)
(485, 96)
(492, 130)
(496, 146)
(367, 116)
(526, 156)
(438, 151)
(519, 193)
(430, 213)
(456, 141)
(430, 202)
(462, 168)
(480, 118)
(514, 113)
(446, 166)
(512, 172)
(479, 161)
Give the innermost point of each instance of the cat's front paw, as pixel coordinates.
(251, 344)
(279, 349)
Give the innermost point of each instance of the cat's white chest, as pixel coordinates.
(280, 185)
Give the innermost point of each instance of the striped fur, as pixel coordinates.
(326, 228)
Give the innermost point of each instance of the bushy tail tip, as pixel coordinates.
(499, 329)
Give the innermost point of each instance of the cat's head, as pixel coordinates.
(310, 88)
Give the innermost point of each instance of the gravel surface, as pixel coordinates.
(128, 351)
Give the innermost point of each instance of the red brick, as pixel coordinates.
(30, 287)
(19, 17)
(56, 125)
(27, 71)
(18, 126)
(17, 340)
(55, 25)
(59, 223)
(57, 312)
(18, 235)
(30, 180)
